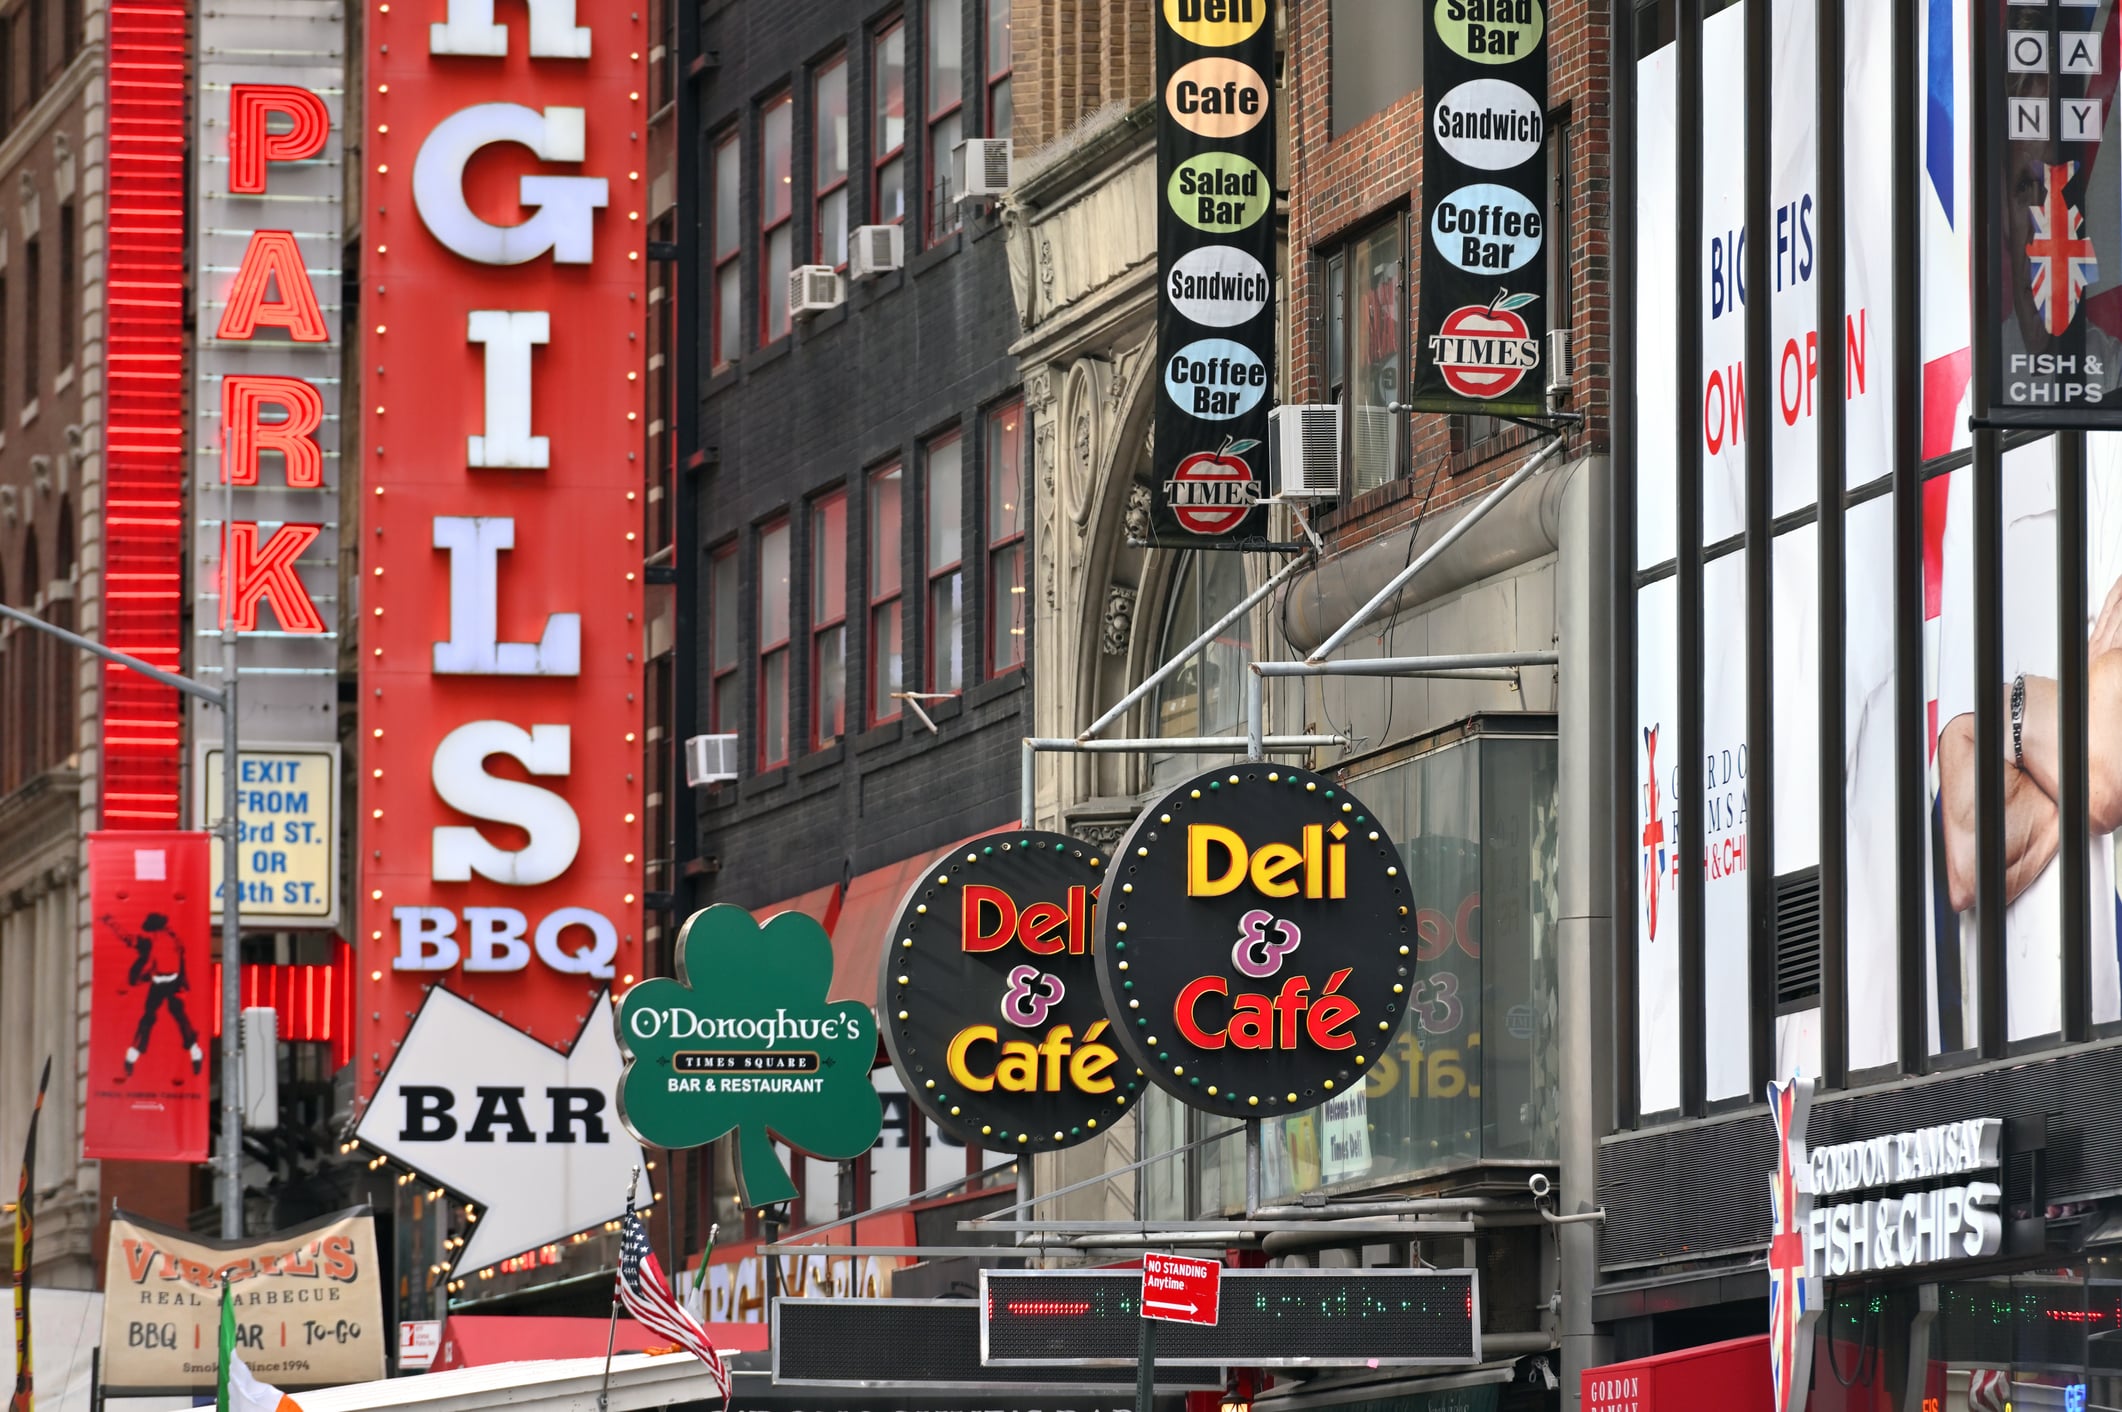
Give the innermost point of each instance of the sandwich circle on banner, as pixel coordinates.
(1218, 286)
(1489, 124)
(989, 1001)
(1257, 955)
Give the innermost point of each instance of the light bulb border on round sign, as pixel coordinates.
(927, 935)
(1358, 948)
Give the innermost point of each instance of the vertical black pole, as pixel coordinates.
(1694, 1071)
(1988, 503)
(1621, 421)
(1146, 1366)
(1911, 746)
(2073, 799)
(1833, 291)
(1760, 353)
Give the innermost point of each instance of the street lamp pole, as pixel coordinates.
(231, 903)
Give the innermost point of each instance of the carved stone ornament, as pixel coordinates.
(1137, 516)
(1103, 832)
(1119, 619)
(1084, 439)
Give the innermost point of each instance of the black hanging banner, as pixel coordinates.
(1484, 315)
(2051, 301)
(1215, 251)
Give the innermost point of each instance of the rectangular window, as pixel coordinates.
(776, 229)
(773, 645)
(887, 128)
(943, 90)
(1377, 360)
(69, 293)
(829, 161)
(32, 317)
(1005, 538)
(943, 483)
(999, 66)
(39, 18)
(70, 21)
(726, 239)
(886, 676)
(828, 618)
(725, 697)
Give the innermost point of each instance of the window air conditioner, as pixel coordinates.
(875, 250)
(1561, 363)
(1374, 446)
(812, 289)
(710, 759)
(980, 168)
(1305, 445)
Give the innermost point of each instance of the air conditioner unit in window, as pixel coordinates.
(1374, 446)
(980, 168)
(1304, 461)
(875, 250)
(1561, 363)
(812, 289)
(710, 759)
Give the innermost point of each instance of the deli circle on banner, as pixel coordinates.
(990, 1006)
(1257, 952)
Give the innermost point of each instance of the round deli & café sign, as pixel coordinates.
(1255, 942)
(989, 1007)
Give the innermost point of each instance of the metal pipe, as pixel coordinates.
(1474, 666)
(1028, 787)
(110, 654)
(1406, 1206)
(1182, 745)
(1178, 659)
(1255, 716)
(1445, 541)
(231, 894)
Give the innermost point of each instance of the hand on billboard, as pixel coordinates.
(2107, 627)
(2030, 829)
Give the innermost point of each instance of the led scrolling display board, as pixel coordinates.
(989, 1002)
(1215, 248)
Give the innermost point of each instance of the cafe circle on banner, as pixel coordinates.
(1215, 24)
(1217, 97)
(1257, 954)
(988, 1001)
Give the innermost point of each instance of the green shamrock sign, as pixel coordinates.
(744, 1042)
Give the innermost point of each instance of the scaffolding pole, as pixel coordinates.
(1034, 746)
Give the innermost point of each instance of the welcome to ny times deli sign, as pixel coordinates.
(1215, 247)
(500, 599)
(1484, 313)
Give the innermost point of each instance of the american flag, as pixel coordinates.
(647, 1296)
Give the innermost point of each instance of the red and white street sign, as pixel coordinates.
(1180, 1290)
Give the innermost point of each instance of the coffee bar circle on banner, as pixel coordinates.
(989, 997)
(1255, 946)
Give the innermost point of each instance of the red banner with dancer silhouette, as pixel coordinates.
(152, 1021)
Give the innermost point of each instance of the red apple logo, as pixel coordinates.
(1212, 492)
(1485, 350)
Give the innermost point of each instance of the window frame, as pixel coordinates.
(1343, 254)
(725, 147)
(931, 574)
(842, 186)
(884, 709)
(938, 225)
(997, 600)
(820, 624)
(721, 554)
(32, 315)
(781, 647)
(69, 332)
(771, 298)
(990, 77)
(879, 160)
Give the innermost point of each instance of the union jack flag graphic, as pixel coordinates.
(2060, 258)
(1791, 1303)
(1654, 861)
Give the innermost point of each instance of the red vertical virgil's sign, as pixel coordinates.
(143, 488)
(152, 996)
(501, 309)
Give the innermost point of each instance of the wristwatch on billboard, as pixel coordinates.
(2018, 720)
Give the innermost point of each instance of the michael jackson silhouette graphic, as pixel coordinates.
(158, 963)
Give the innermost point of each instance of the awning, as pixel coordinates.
(1731, 1376)
(481, 1340)
(553, 1385)
(872, 902)
(1471, 1389)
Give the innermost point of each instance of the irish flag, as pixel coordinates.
(235, 1389)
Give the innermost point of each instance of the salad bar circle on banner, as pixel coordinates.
(990, 1010)
(1257, 953)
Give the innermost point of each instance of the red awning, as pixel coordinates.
(476, 1340)
(858, 937)
(1730, 1376)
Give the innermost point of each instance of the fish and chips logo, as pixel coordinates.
(1211, 492)
(1655, 853)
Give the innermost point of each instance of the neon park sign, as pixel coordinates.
(988, 998)
(1258, 955)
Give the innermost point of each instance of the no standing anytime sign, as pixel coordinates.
(1180, 1290)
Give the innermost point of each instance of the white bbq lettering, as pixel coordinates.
(460, 777)
(475, 543)
(509, 337)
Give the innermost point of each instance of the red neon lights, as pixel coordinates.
(251, 145)
(244, 396)
(143, 508)
(268, 574)
(1047, 1308)
(315, 1004)
(272, 290)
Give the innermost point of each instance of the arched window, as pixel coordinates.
(1205, 696)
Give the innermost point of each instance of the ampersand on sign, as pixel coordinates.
(1023, 1005)
(1257, 956)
